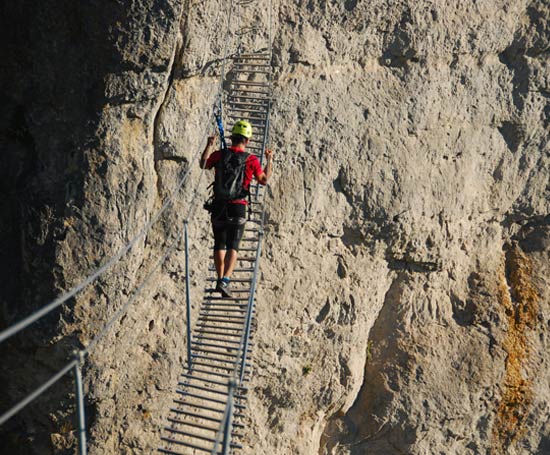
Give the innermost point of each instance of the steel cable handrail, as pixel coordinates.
(86, 350)
(39, 391)
(24, 323)
(32, 318)
(138, 290)
(80, 355)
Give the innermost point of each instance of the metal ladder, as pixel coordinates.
(225, 326)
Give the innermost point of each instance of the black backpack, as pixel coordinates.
(228, 183)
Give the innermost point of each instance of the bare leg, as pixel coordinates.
(219, 257)
(229, 263)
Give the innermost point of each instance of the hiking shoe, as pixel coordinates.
(222, 287)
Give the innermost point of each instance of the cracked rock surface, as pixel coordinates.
(403, 306)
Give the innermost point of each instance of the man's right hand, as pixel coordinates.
(266, 174)
(210, 141)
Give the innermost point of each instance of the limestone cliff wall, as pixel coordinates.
(404, 298)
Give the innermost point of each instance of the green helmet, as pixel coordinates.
(242, 128)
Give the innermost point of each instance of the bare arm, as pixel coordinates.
(207, 151)
(268, 169)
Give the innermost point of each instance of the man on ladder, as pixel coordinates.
(235, 169)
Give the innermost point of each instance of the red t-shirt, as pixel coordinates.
(253, 169)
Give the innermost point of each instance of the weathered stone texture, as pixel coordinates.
(404, 299)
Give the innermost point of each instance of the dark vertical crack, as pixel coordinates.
(157, 146)
(158, 117)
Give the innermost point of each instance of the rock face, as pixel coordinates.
(404, 300)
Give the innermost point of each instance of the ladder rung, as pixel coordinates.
(235, 280)
(211, 373)
(201, 426)
(213, 366)
(211, 351)
(214, 318)
(251, 98)
(225, 305)
(238, 343)
(247, 92)
(223, 310)
(221, 297)
(214, 308)
(237, 331)
(200, 416)
(213, 400)
(185, 444)
(211, 291)
(218, 346)
(208, 326)
(211, 358)
(251, 83)
(201, 397)
(219, 392)
(197, 436)
(231, 355)
(190, 377)
(211, 268)
(252, 57)
(240, 285)
(237, 103)
(255, 65)
(248, 111)
(173, 452)
(255, 117)
(247, 71)
(223, 334)
(211, 310)
(206, 408)
(210, 298)
(211, 314)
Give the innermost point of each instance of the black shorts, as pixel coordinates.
(228, 223)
